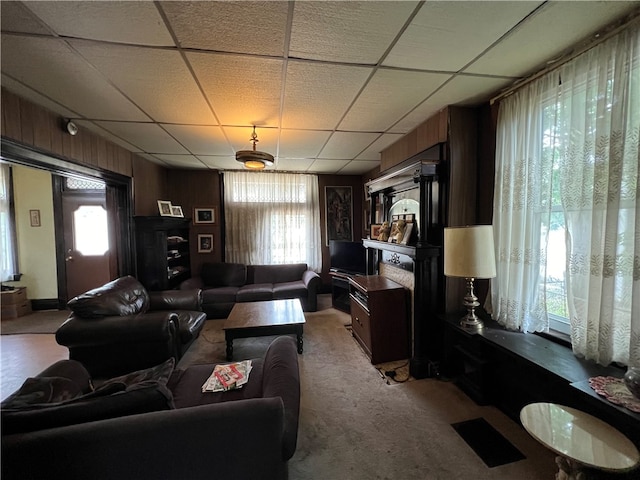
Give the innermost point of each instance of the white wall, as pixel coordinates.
(36, 245)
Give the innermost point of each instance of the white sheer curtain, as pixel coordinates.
(272, 218)
(572, 139)
(7, 247)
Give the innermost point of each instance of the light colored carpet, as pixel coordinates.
(355, 426)
(42, 321)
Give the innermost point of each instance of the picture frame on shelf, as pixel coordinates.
(407, 233)
(375, 230)
(204, 215)
(164, 207)
(176, 211)
(205, 243)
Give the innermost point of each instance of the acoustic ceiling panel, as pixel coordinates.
(327, 166)
(359, 167)
(300, 143)
(201, 140)
(372, 152)
(318, 95)
(243, 90)
(122, 22)
(16, 17)
(56, 72)
(347, 145)
(149, 137)
(180, 161)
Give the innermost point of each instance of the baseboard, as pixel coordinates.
(47, 304)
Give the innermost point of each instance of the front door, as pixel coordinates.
(86, 239)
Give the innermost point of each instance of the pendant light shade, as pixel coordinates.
(254, 159)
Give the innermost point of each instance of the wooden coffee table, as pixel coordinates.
(259, 319)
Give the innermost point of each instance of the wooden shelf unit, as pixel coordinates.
(379, 317)
(163, 251)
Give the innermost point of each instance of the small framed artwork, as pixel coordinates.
(34, 218)
(375, 230)
(406, 238)
(176, 211)
(164, 207)
(204, 215)
(205, 243)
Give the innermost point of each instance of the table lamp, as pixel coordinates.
(469, 253)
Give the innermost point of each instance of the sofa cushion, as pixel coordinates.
(123, 296)
(289, 290)
(186, 386)
(223, 274)
(255, 292)
(219, 295)
(275, 273)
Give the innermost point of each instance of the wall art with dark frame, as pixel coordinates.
(205, 243)
(204, 215)
(339, 213)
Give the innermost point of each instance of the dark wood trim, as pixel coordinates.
(119, 191)
(47, 304)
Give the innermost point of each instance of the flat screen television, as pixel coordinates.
(348, 257)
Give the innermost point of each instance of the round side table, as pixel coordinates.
(579, 439)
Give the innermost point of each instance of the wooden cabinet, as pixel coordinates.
(162, 250)
(379, 317)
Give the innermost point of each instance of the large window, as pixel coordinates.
(8, 254)
(272, 218)
(566, 213)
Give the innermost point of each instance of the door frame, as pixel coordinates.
(119, 193)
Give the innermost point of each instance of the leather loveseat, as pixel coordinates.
(154, 424)
(120, 327)
(225, 284)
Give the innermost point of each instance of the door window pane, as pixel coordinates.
(90, 234)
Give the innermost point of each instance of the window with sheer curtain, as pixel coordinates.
(8, 258)
(272, 218)
(566, 213)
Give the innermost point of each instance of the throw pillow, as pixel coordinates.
(123, 296)
(141, 378)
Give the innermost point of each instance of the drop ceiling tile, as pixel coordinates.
(327, 166)
(200, 140)
(318, 95)
(240, 138)
(151, 158)
(240, 27)
(33, 96)
(147, 137)
(353, 32)
(294, 164)
(446, 36)
(463, 90)
(373, 151)
(54, 71)
(98, 130)
(388, 97)
(358, 167)
(347, 145)
(224, 162)
(122, 22)
(242, 90)
(181, 161)
(547, 34)
(301, 143)
(16, 17)
(172, 96)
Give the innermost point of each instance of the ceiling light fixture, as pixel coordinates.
(254, 159)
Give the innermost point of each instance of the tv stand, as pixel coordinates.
(340, 291)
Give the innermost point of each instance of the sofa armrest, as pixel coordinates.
(149, 327)
(313, 283)
(240, 439)
(311, 279)
(193, 283)
(176, 300)
(281, 379)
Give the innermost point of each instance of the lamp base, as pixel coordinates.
(471, 321)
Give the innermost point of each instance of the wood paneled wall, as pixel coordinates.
(34, 126)
(199, 189)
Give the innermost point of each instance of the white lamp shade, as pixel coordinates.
(469, 252)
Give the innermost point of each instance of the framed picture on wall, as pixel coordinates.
(204, 215)
(339, 213)
(205, 243)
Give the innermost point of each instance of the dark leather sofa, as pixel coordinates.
(225, 284)
(120, 327)
(155, 424)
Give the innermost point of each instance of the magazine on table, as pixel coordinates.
(229, 376)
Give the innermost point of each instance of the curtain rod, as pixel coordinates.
(597, 39)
